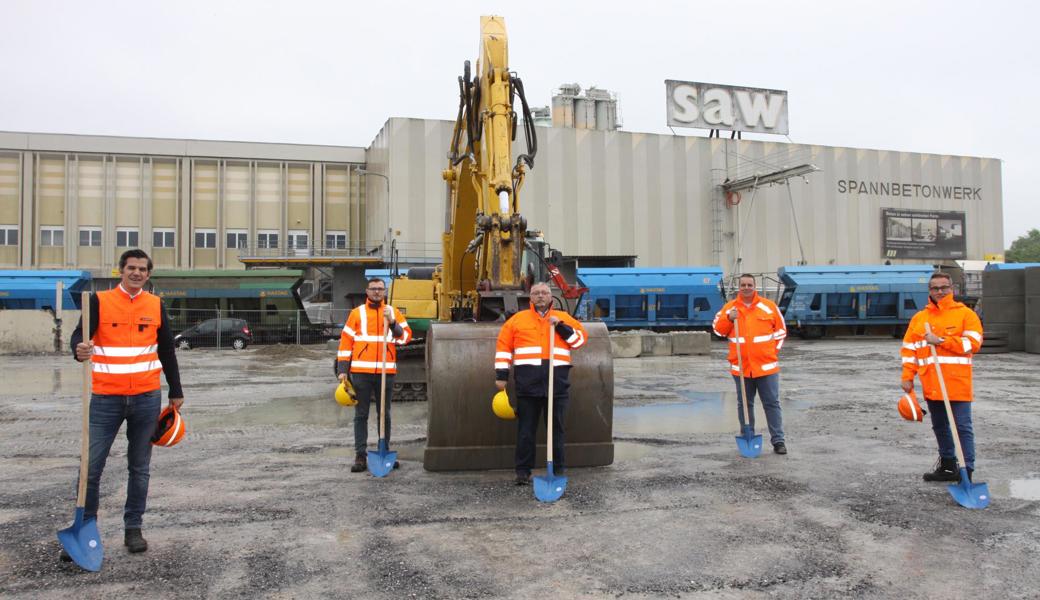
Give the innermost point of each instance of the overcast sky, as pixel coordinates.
(949, 77)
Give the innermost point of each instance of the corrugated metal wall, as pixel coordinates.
(657, 196)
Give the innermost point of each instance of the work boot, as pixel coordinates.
(780, 448)
(134, 541)
(63, 556)
(360, 463)
(523, 479)
(397, 464)
(945, 470)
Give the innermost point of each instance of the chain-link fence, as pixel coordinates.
(201, 328)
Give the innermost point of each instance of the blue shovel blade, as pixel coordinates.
(551, 487)
(83, 542)
(381, 462)
(968, 494)
(749, 444)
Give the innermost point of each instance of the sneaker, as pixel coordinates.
(523, 479)
(945, 470)
(360, 464)
(134, 541)
(780, 448)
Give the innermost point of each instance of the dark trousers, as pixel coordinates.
(367, 387)
(529, 411)
(107, 413)
(965, 430)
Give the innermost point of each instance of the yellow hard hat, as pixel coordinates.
(500, 405)
(345, 394)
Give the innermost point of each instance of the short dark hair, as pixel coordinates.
(375, 279)
(134, 253)
(748, 275)
(941, 275)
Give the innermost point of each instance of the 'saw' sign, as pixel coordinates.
(713, 106)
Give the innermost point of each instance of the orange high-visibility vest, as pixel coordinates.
(126, 359)
(524, 340)
(360, 341)
(962, 332)
(762, 333)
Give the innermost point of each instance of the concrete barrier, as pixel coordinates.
(691, 342)
(33, 331)
(626, 345)
(657, 345)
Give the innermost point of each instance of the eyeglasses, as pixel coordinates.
(939, 288)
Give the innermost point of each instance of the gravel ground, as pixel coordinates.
(258, 500)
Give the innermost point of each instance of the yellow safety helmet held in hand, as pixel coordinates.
(909, 408)
(501, 407)
(345, 394)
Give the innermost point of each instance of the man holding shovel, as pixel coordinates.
(956, 334)
(130, 345)
(367, 346)
(762, 332)
(524, 342)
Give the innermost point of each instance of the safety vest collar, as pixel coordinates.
(127, 293)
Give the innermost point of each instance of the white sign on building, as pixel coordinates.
(713, 106)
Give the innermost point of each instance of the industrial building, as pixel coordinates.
(71, 201)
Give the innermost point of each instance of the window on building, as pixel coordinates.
(336, 239)
(90, 236)
(267, 239)
(52, 236)
(299, 240)
(205, 238)
(237, 239)
(127, 238)
(8, 235)
(162, 238)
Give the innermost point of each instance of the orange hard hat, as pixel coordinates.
(170, 428)
(909, 408)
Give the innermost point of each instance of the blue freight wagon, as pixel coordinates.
(854, 300)
(660, 298)
(35, 290)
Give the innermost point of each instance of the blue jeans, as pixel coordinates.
(965, 431)
(107, 413)
(366, 385)
(768, 386)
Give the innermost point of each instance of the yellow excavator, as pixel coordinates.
(490, 261)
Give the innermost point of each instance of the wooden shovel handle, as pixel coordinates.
(946, 401)
(84, 447)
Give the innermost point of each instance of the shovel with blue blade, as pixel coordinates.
(82, 540)
(551, 487)
(965, 493)
(749, 444)
(381, 461)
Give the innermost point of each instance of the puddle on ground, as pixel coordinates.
(706, 412)
(1024, 489)
(630, 451)
(64, 380)
(310, 411)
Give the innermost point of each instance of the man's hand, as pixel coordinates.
(388, 312)
(176, 402)
(342, 378)
(933, 339)
(907, 385)
(732, 314)
(84, 351)
(501, 385)
(554, 320)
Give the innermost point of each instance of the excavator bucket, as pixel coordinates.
(464, 434)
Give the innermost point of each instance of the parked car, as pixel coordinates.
(233, 333)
